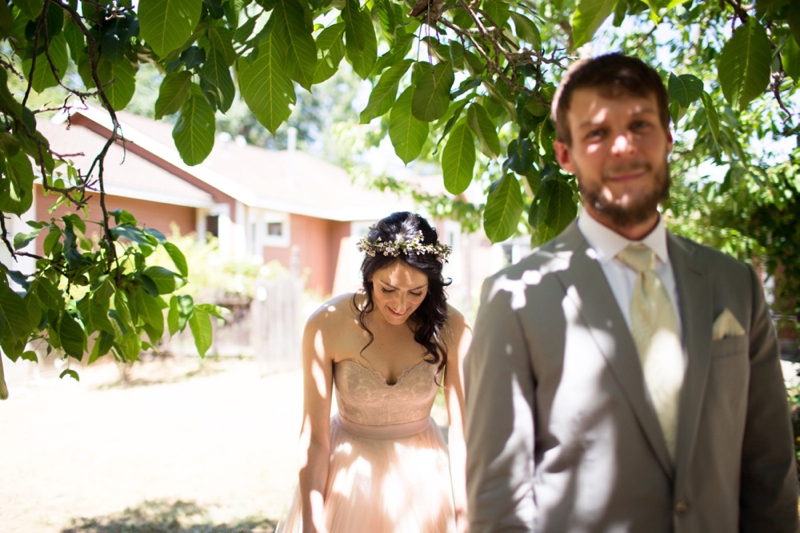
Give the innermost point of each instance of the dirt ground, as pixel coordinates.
(187, 446)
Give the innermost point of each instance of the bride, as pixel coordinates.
(380, 465)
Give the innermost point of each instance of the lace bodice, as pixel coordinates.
(364, 397)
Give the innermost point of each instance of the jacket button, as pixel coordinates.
(681, 506)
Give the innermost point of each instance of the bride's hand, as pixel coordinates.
(462, 521)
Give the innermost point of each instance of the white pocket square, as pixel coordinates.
(726, 325)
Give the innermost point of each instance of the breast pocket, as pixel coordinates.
(727, 386)
(729, 346)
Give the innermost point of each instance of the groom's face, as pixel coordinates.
(618, 153)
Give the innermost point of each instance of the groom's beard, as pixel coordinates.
(638, 210)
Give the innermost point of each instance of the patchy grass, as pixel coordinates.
(163, 516)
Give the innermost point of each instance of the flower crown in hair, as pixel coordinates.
(402, 246)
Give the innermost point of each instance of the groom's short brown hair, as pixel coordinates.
(615, 75)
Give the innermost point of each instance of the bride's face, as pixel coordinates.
(397, 291)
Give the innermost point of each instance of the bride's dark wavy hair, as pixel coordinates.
(431, 315)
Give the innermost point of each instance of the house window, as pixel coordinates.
(212, 225)
(277, 229)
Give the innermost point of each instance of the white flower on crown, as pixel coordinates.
(403, 247)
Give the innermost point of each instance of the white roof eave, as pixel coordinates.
(168, 154)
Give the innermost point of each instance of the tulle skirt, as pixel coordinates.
(384, 479)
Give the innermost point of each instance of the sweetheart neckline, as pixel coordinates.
(378, 375)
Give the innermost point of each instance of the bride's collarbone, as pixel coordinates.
(390, 356)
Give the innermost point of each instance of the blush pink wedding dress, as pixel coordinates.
(389, 469)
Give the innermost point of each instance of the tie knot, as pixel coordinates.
(639, 257)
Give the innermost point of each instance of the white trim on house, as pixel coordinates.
(140, 194)
(168, 154)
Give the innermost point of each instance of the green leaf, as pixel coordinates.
(71, 373)
(330, 51)
(72, 335)
(133, 234)
(21, 240)
(520, 155)
(218, 73)
(384, 94)
(711, 116)
(122, 311)
(121, 89)
(221, 40)
(178, 258)
(241, 34)
(47, 293)
(16, 194)
(167, 24)
(102, 345)
(497, 10)
(685, 88)
(790, 59)
(173, 317)
(130, 345)
(395, 54)
(527, 30)
(14, 323)
(744, 64)
(94, 315)
(35, 312)
(194, 131)
(484, 129)
(408, 135)
(793, 18)
(265, 87)
(151, 314)
(458, 160)
(589, 15)
(503, 209)
(555, 208)
(215, 310)
(43, 76)
(361, 44)
(200, 324)
(291, 32)
(3, 386)
(30, 8)
(166, 280)
(387, 16)
(432, 91)
(180, 309)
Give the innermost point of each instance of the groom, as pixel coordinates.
(621, 378)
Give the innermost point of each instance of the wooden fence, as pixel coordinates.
(267, 328)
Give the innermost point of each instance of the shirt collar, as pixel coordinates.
(608, 243)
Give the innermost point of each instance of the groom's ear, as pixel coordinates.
(563, 156)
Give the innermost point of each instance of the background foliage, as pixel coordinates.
(468, 84)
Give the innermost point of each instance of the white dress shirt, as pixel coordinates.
(607, 244)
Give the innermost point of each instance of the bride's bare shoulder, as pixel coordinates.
(336, 311)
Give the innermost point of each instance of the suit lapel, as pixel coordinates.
(695, 303)
(585, 284)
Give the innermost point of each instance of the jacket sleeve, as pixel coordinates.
(499, 419)
(768, 493)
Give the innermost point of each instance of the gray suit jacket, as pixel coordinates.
(561, 436)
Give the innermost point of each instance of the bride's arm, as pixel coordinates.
(458, 336)
(315, 433)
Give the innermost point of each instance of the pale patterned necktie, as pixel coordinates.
(654, 327)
